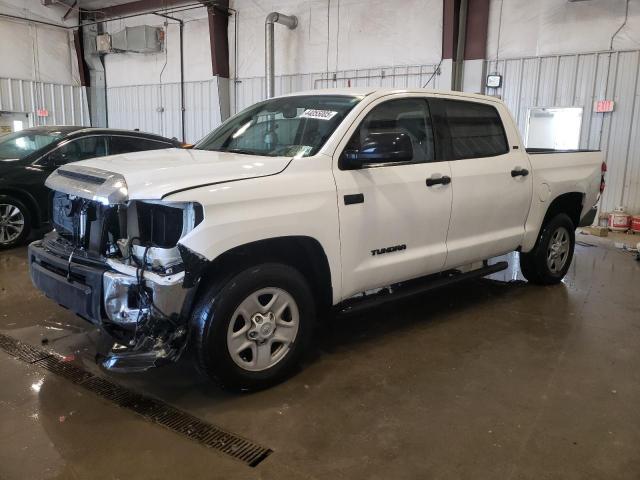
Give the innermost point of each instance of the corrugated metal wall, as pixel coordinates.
(66, 104)
(251, 90)
(156, 108)
(577, 81)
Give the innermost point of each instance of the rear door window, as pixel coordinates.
(79, 149)
(131, 144)
(467, 129)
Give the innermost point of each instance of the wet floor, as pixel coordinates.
(488, 379)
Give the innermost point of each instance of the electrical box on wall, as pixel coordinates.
(494, 81)
(140, 39)
(103, 43)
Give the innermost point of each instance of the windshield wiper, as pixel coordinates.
(243, 151)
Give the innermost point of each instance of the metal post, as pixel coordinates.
(291, 22)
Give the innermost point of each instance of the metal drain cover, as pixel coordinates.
(152, 409)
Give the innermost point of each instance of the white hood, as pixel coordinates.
(153, 174)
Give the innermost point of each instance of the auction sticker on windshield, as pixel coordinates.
(319, 114)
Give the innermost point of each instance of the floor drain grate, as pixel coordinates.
(153, 410)
(21, 351)
(64, 369)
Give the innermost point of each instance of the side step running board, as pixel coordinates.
(414, 287)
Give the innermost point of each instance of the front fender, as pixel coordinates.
(299, 202)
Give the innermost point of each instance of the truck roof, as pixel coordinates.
(379, 92)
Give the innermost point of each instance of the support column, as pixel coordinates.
(97, 89)
(475, 50)
(450, 23)
(464, 44)
(83, 70)
(219, 38)
(219, 42)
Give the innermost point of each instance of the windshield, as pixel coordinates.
(23, 143)
(296, 126)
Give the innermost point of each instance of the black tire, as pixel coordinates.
(214, 312)
(535, 264)
(7, 226)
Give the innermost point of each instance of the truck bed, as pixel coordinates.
(534, 151)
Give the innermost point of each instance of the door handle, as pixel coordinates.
(519, 172)
(354, 198)
(444, 180)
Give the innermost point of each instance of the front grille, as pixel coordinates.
(85, 224)
(62, 214)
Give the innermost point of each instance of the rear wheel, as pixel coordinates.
(250, 332)
(15, 222)
(550, 259)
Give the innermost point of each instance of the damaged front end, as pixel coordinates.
(117, 263)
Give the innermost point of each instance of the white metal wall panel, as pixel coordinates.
(66, 104)
(251, 90)
(135, 107)
(202, 111)
(578, 81)
(156, 108)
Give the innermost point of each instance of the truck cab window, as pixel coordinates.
(295, 126)
(409, 116)
(468, 129)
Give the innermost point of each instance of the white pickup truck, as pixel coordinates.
(317, 201)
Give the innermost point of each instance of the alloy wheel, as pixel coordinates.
(263, 329)
(558, 250)
(11, 223)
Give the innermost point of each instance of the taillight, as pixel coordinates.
(603, 170)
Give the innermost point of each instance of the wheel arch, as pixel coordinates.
(570, 203)
(303, 253)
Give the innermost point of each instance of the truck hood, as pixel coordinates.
(154, 174)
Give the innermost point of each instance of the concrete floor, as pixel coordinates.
(492, 379)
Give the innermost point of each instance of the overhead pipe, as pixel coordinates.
(291, 22)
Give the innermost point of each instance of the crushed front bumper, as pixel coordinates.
(106, 294)
(75, 286)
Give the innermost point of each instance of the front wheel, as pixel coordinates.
(252, 330)
(550, 259)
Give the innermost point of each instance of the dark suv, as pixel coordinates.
(27, 157)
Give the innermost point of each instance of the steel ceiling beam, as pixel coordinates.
(138, 7)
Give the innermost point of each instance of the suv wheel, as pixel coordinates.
(15, 222)
(550, 259)
(250, 332)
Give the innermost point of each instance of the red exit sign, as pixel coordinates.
(603, 106)
(42, 112)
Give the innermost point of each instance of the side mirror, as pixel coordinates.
(380, 147)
